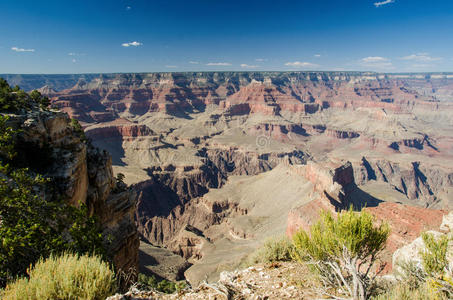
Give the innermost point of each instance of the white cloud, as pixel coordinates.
(74, 60)
(193, 62)
(75, 54)
(218, 64)
(317, 55)
(376, 62)
(261, 59)
(424, 57)
(385, 2)
(128, 8)
(298, 64)
(246, 66)
(22, 49)
(171, 66)
(374, 59)
(134, 44)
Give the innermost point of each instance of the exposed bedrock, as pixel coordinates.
(120, 130)
(105, 97)
(424, 184)
(172, 199)
(80, 174)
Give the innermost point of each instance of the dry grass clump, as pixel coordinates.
(404, 292)
(274, 249)
(67, 276)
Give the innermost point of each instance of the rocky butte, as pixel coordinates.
(220, 161)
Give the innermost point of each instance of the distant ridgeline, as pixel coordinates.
(59, 82)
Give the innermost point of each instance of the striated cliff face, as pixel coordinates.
(100, 98)
(81, 174)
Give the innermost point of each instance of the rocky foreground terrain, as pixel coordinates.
(221, 161)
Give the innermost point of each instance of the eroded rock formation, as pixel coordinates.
(81, 174)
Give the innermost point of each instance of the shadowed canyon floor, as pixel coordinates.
(221, 161)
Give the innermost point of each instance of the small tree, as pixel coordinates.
(343, 251)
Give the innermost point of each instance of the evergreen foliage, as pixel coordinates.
(13, 100)
(162, 285)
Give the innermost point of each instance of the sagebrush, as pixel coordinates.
(273, 250)
(68, 276)
(343, 251)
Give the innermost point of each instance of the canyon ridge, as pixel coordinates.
(220, 161)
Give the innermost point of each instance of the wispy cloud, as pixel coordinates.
(376, 62)
(128, 8)
(170, 66)
(74, 60)
(261, 59)
(193, 62)
(218, 64)
(22, 49)
(421, 57)
(385, 2)
(374, 59)
(317, 55)
(298, 64)
(246, 66)
(133, 44)
(75, 54)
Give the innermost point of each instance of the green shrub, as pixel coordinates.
(163, 285)
(434, 258)
(435, 264)
(404, 292)
(12, 100)
(273, 249)
(342, 251)
(65, 277)
(78, 130)
(410, 274)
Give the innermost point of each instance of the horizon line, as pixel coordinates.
(233, 71)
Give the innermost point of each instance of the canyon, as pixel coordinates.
(220, 161)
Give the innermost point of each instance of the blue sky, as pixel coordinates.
(68, 36)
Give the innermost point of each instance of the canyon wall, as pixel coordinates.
(80, 174)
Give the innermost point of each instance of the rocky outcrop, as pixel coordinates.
(410, 253)
(421, 183)
(332, 185)
(81, 174)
